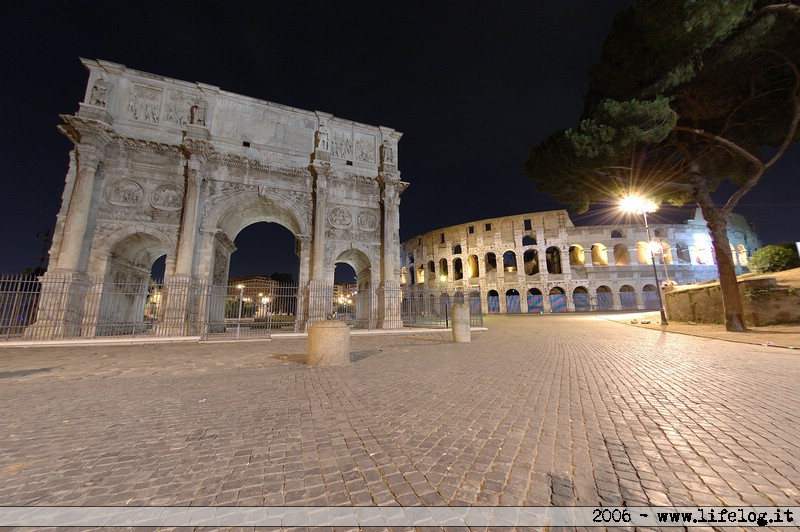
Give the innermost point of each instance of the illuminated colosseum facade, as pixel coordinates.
(541, 262)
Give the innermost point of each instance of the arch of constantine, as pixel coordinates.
(166, 167)
(542, 262)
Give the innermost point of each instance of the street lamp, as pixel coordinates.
(443, 279)
(241, 300)
(639, 205)
(265, 306)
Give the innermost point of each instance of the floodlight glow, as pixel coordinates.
(637, 204)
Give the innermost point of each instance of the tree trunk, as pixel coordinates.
(728, 285)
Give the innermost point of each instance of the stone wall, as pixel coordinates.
(765, 303)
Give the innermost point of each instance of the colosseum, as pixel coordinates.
(541, 262)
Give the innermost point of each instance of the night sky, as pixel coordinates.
(472, 86)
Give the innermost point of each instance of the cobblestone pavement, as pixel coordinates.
(537, 410)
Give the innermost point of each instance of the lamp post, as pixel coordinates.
(642, 206)
(265, 306)
(443, 279)
(241, 300)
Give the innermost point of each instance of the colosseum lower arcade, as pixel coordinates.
(541, 262)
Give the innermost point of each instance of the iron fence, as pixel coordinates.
(71, 306)
(433, 308)
(256, 309)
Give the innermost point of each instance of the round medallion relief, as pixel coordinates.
(167, 198)
(124, 192)
(367, 221)
(340, 217)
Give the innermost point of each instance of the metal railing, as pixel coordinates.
(57, 306)
(64, 306)
(432, 308)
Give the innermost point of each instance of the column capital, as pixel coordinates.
(85, 132)
(193, 148)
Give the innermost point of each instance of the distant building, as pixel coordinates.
(542, 262)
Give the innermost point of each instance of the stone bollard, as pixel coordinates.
(461, 323)
(328, 344)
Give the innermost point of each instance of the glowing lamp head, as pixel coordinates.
(637, 204)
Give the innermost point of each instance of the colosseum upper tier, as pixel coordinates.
(542, 262)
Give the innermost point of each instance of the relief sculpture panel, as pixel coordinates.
(177, 109)
(167, 198)
(367, 221)
(365, 149)
(342, 145)
(340, 217)
(145, 104)
(124, 192)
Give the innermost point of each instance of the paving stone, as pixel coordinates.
(613, 415)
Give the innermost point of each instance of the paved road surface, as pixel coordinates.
(538, 410)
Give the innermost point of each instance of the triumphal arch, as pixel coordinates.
(166, 167)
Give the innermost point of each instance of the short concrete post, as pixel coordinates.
(328, 344)
(461, 323)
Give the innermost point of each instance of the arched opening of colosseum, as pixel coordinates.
(458, 270)
(531, 261)
(493, 302)
(535, 300)
(599, 255)
(431, 271)
(512, 301)
(643, 253)
(581, 299)
(605, 298)
(664, 253)
(421, 273)
(682, 251)
(704, 253)
(472, 267)
(627, 297)
(553, 258)
(576, 255)
(650, 297)
(443, 268)
(411, 275)
(622, 257)
(509, 261)
(528, 240)
(616, 233)
(743, 260)
(457, 249)
(403, 275)
(558, 299)
(491, 263)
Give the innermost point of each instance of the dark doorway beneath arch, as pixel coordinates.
(158, 269)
